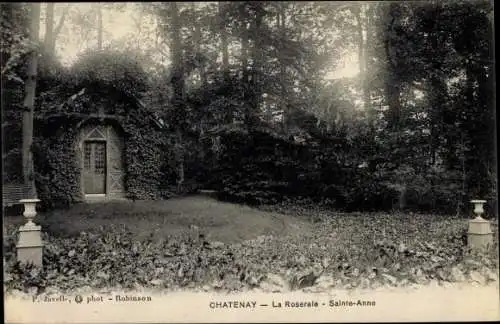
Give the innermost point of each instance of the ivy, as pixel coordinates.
(113, 69)
(65, 108)
(56, 170)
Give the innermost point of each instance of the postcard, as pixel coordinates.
(249, 161)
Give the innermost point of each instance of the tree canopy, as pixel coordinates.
(412, 124)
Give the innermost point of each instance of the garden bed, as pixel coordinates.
(335, 251)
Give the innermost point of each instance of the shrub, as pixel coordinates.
(121, 70)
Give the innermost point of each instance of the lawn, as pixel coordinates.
(219, 221)
(197, 242)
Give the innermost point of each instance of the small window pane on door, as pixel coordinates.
(87, 156)
(100, 158)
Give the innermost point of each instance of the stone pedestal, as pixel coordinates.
(30, 245)
(480, 235)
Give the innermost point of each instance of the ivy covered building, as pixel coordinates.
(93, 137)
(100, 143)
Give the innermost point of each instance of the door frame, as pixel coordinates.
(106, 171)
(99, 131)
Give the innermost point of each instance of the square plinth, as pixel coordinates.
(480, 241)
(30, 254)
(479, 226)
(30, 235)
(30, 245)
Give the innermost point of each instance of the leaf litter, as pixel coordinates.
(342, 251)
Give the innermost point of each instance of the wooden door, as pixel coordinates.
(94, 168)
(115, 164)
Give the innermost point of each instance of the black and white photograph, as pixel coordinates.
(249, 161)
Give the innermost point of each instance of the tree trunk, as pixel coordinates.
(244, 53)
(138, 25)
(283, 106)
(198, 41)
(481, 130)
(361, 49)
(99, 27)
(51, 31)
(362, 27)
(368, 54)
(29, 103)
(225, 56)
(393, 93)
(49, 28)
(437, 97)
(256, 50)
(244, 63)
(256, 84)
(179, 152)
(438, 90)
(486, 137)
(58, 28)
(470, 131)
(461, 201)
(392, 82)
(178, 90)
(224, 43)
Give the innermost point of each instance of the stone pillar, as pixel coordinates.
(480, 235)
(30, 246)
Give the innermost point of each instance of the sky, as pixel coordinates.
(349, 68)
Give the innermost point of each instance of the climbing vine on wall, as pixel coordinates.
(57, 167)
(143, 157)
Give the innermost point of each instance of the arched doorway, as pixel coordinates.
(101, 160)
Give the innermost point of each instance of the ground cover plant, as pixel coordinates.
(333, 250)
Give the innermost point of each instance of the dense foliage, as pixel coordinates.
(115, 69)
(259, 166)
(14, 47)
(421, 139)
(15, 44)
(412, 129)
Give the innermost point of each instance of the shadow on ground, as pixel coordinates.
(219, 221)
